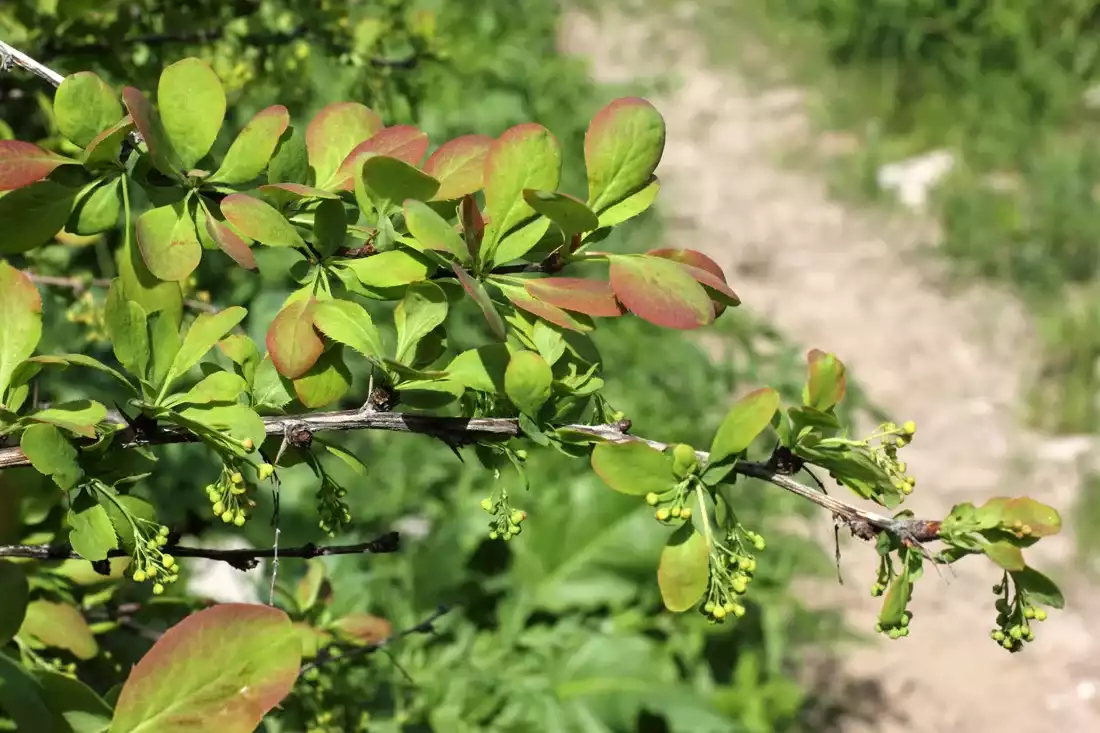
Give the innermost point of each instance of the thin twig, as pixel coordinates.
(240, 559)
(13, 56)
(427, 626)
(458, 431)
(79, 285)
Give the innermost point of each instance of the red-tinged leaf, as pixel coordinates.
(280, 194)
(523, 300)
(259, 221)
(364, 628)
(292, 342)
(21, 164)
(472, 223)
(250, 152)
(622, 147)
(459, 166)
(477, 291)
(191, 102)
(525, 156)
(149, 124)
(827, 382)
(704, 271)
(404, 142)
(106, 146)
(60, 626)
(33, 215)
(169, 242)
(660, 291)
(334, 132)
(591, 297)
(20, 321)
(220, 669)
(229, 242)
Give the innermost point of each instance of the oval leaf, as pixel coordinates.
(259, 221)
(684, 569)
(168, 242)
(527, 381)
(291, 341)
(660, 292)
(98, 210)
(390, 269)
(205, 332)
(459, 166)
(250, 152)
(525, 156)
(622, 148)
(591, 297)
(84, 106)
(33, 215)
(21, 319)
(14, 592)
(433, 231)
(704, 271)
(632, 205)
(176, 689)
(348, 323)
(520, 298)
(569, 213)
(403, 142)
(827, 382)
(1039, 588)
(748, 417)
(333, 133)
(327, 381)
(226, 239)
(191, 102)
(151, 127)
(632, 467)
(1007, 555)
(61, 626)
(394, 180)
(21, 164)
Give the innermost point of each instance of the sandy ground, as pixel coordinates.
(844, 280)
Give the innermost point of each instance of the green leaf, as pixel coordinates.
(51, 454)
(459, 166)
(255, 144)
(105, 148)
(522, 299)
(14, 593)
(481, 369)
(527, 381)
(292, 342)
(520, 241)
(237, 421)
(290, 163)
(127, 327)
(390, 179)
(60, 626)
(151, 127)
(477, 291)
(259, 221)
(219, 386)
(433, 231)
(92, 535)
(76, 416)
(32, 215)
(85, 106)
(168, 241)
(141, 286)
(21, 164)
(98, 210)
(327, 381)
(242, 351)
(896, 600)
(1039, 588)
(525, 156)
(348, 323)
(632, 205)
(622, 148)
(269, 389)
(333, 133)
(137, 508)
(86, 361)
(632, 467)
(390, 269)
(660, 291)
(205, 332)
(827, 383)
(401, 142)
(1007, 555)
(424, 394)
(684, 569)
(748, 417)
(191, 102)
(21, 700)
(1014, 514)
(164, 338)
(423, 308)
(568, 212)
(330, 227)
(237, 247)
(20, 321)
(80, 707)
(308, 589)
(175, 689)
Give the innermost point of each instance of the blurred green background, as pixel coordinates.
(562, 629)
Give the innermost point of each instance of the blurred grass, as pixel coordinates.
(1001, 85)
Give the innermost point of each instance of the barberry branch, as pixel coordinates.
(459, 431)
(427, 626)
(11, 56)
(244, 559)
(78, 285)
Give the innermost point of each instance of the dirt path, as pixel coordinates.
(839, 279)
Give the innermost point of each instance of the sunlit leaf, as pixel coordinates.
(527, 381)
(98, 210)
(92, 535)
(520, 298)
(684, 569)
(348, 323)
(525, 156)
(591, 297)
(632, 467)
(748, 417)
(60, 626)
(568, 212)
(1007, 555)
(51, 454)
(106, 146)
(477, 291)
(219, 386)
(225, 238)
(895, 601)
(632, 205)
(459, 166)
(622, 148)
(334, 132)
(403, 142)
(520, 241)
(84, 106)
(76, 416)
(390, 269)
(168, 241)
(423, 308)
(205, 332)
(433, 231)
(660, 291)
(259, 221)
(22, 163)
(255, 144)
(482, 368)
(704, 271)
(151, 127)
(827, 382)
(292, 343)
(20, 321)
(327, 381)
(191, 102)
(390, 179)
(175, 689)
